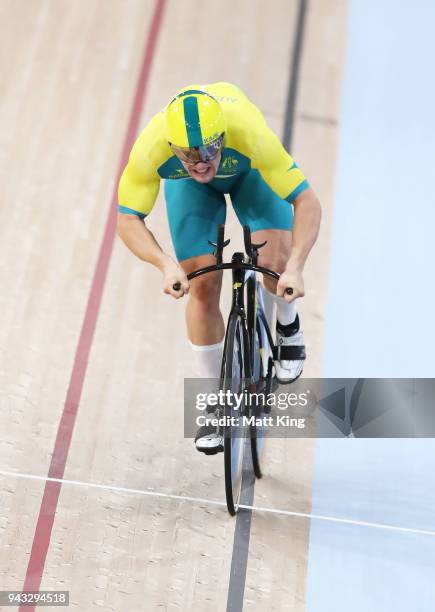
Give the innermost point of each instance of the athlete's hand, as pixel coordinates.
(173, 273)
(291, 277)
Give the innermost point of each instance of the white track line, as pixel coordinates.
(201, 500)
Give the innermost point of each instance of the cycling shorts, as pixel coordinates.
(194, 210)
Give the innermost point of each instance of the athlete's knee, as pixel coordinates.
(273, 261)
(206, 289)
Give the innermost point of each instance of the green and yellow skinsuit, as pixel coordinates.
(255, 170)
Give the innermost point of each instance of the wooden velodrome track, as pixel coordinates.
(91, 389)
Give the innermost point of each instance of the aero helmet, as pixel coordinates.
(195, 125)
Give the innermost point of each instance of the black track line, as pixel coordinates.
(242, 531)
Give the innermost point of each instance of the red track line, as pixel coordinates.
(44, 526)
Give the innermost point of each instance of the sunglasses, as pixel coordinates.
(203, 153)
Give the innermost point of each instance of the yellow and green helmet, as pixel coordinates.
(195, 123)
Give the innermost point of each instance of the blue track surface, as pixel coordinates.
(380, 315)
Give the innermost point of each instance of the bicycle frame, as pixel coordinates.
(253, 363)
(238, 306)
(239, 267)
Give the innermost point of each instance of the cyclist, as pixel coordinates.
(211, 140)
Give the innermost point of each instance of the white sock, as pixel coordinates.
(269, 305)
(285, 313)
(207, 359)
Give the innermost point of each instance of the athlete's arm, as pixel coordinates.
(141, 241)
(307, 215)
(283, 175)
(138, 190)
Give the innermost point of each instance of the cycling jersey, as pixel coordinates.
(249, 145)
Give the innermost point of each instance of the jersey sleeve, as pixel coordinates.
(140, 182)
(277, 167)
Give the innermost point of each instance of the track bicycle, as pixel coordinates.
(247, 364)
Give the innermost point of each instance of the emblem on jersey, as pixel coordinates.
(230, 163)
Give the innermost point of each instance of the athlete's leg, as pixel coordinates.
(194, 211)
(203, 317)
(274, 255)
(271, 218)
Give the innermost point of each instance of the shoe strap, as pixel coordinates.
(289, 353)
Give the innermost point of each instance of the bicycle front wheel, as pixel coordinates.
(236, 352)
(263, 378)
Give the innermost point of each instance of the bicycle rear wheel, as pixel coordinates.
(236, 351)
